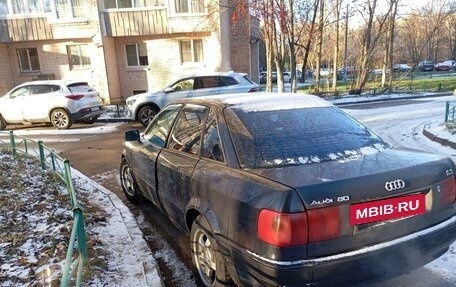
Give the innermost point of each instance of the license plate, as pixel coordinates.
(387, 209)
(95, 109)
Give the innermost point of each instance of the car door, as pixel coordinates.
(36, 106)
(145, 154)
(176, 162)
(209, 86)
(12, 103)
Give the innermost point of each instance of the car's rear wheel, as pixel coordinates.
(60, 119)
(206, 257)
(146, 114)
(129, 186)
(2, 123)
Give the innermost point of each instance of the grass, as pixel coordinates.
(403, 83)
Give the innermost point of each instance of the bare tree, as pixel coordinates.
(389, 46)
(373, 28)
(321, 25)
(336, 45)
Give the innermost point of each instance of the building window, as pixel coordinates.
(25, 6)
(69, 8)
(119, 4)
(28, 60)
(137, 55)
(78, 56)
(189, 6)
(191, 50)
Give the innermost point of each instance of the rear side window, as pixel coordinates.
(293, 137)
(212, 147)
(206, 82)
(79, 88)
(228, 81)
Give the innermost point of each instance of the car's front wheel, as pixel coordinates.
(146, 114)
(60, 119)
(2, 123)
(128, 182)
(206, 256)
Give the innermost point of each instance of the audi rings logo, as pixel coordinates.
(394, 185)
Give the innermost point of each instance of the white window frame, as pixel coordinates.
(192, 6)
(138, 56)
(194, 54)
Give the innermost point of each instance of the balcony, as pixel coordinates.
(136, 22)
(25, 29)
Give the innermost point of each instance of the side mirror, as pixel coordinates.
(133, 135)
(168, 90)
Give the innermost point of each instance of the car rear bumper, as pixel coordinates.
(87, 113)
(382, 260)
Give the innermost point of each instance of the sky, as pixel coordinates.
(131, 263)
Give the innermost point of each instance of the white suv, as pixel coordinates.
(144, 107)
(61, 103)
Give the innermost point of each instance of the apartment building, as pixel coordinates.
(122, 47)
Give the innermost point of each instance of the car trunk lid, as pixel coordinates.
(358, 191)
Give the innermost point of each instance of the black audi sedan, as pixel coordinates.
(288, 190)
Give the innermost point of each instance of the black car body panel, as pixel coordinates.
(187, 169)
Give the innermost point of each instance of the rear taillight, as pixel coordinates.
(282, 229)
(448, 191)
(74, 97)
(324, 223)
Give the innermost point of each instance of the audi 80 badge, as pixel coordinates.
(289, 190)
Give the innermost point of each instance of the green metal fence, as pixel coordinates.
(62, 169)
(450, 111)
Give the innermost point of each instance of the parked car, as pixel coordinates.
(401, 68)
(324, 72)
(144, 107)
(442, 66)
(351, 72)
(288, 190)
(445, 65)
(59, 102)
(426, 66)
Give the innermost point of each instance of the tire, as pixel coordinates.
(2, 123)
(146, 114)
(129, 186)
(206, 256)
(60, 119)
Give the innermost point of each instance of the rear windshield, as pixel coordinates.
(79, 88)
(265, 139)
(246, 77)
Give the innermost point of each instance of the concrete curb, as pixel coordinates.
(435, 137)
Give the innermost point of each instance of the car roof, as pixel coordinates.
(53, 82)
(208, 74)
(262, 101)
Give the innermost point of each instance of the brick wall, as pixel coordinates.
(6, 79)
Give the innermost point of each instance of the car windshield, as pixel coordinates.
(265, 139)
